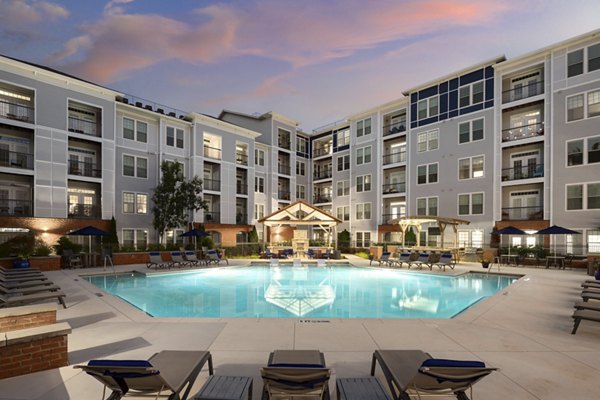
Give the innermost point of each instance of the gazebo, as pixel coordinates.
(418, 220)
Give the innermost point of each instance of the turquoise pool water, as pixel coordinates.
(312, 292)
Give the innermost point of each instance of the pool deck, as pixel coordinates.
(525, 330)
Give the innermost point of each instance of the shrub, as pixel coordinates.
(64, 243)
(344, 241)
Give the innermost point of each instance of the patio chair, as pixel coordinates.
(310, 253)
(584, 314)
(22, 278)
(327, 255)
(167, 371)
(191, 258)
(156, 260)
(589, 294)
(212, 257)
(422, 260)
(177, 259)
(414, 371)
(71, 260)
(24, 284)
(403, 258)
(11, 291)
(445, 260)
(21, 299)
(384, 259)
(18, 270)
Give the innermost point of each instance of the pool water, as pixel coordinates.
(312, 292)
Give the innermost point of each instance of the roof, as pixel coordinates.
(300, 213)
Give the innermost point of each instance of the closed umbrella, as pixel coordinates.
(195, 233)
(510, 230)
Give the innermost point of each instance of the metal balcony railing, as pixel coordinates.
(284, 143)
(212, 152)
(18, 112)
(212, 217)
(241, 219)
(396, 127)
(323, 174)
(13, 159)
(322, 198)
(83, 126)
(78, 210)
(211, 184)
(283, 169)
(523, 132)
(386, 218)
(283, 195)
(524, 172)
(83, 168)
(523, 92)
(16, 208)
(241, 158)
(321, 151)
(399, 187)
(241, 187)
(394, 158)
(522, 213)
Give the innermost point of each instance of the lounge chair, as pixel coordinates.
(593, 285)
(28, 290)
(403, 258)
(18, 270)
(590, 295)
(177, 259)
(156, 260)
(191, 258)
(384, 259)
(212, 257)
(23, 278)
(310, 253)
(171, 371)
(416, 371)
(422, 260)
(445, 260)
(20, 299)
(24, 284)
(587, 314)
(587, 305)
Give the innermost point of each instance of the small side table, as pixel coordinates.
(219, 387)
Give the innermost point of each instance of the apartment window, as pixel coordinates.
(174, 237)
(259, 184)
(300, 192)
(259, 157)
(343, 137)
(343, 188)
(363, 127)
(301, 145)
(363, 211)
(593, 104)
(477, 239)
(427, 107)
(363, 183)
(470, 204)
(580, 151)
(128, 202)
(343, 163)
(174, 137)
(593, 196)
(427, 206)
(135, 130)
(463, 239)
(574, 197)
(427, 173)
(470, 131)
(343, 213)
(584, 196)
(575, 63)
(575, 152)
(135, 166)
(427, 141)
(363, 155)
(575, 60)
(593, 58)
(593, 150)
(575, 108)
(363, 239)
(300, 168)
(470, 168)
(471, 94)
(259, 211)
(135, 238)
(128, 129)
(141, 203)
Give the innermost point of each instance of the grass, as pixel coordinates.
(362, 254)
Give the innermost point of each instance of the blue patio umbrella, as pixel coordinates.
(510, 230)
(195, 233)
(556, 230)
(89, 231)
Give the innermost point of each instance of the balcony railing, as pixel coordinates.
(385, 218)
(523, 132)
(283, 195)
(321, 151)
(212, 217)
(241, 158)
(13, 159)
(399, 187)
(394, 158)
(211, 184)
(241, 187)
(396, 127)
(83, 168)
(322, 198)
(78, 210)
(16, 111)
(16, 208)
(283, 169)
(524, 172)
(323, 174)
(83, 126)
(523, 92)
(241, 219)
(212, 152)
(284, 143)
(522, 213)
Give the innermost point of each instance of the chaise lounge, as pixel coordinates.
(19, 299)
(156, 260)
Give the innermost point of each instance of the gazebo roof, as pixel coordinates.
(300, 213)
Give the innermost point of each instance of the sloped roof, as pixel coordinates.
(300, 213)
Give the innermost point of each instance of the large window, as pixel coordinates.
(135, 166)
(427, 173)
(470, 94)
(343, 213)
(343, 137)
(575, 108)
(363, 183)
(363, 127)
(363, 211)
(593, 103)
(583, 105)
(135, 203)
(427, 206)
(575, 63)
(300, 192)
(470, 131)
(301, 145)
(470, 168)
(300, 168)
(427, 141)
(343, 188)
(428, 107)
(363, 239)
(174, 137)
(128, 202)
(363, 155)
(259, 157)
(583, 60)
(134, 238)
(141, 203)
(135, 130)
(343, 163)
(470, 204)
(575, 197)
(581, 152)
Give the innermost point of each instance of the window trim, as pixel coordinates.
(470, 122)
(362, 206)
(470, 194)
(257, 151)
(363, 183)
(257, 179)
(427, 141)
(428, 108)
(135, 168)
(427, 166)
(470, 86)
(470, 167)
(363, 149)
(364, 121)
(584, 196)
(344, 163)
(584, 60)
(427, 206)
(345, 188)
(586, 112)
(584, 151)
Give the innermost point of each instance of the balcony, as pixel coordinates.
(15, 208)
(212, 152)
(283, 169)
(399, 187)
(241, 188)
(522, 213)
(385, 218)
(321, 151)
(211, 184)
(322, 198)
(523, 92)
(394, 158)
(323, 174)
(283, 194)
(82, 126)
(241, 219)
(83, 211)
(83, 168)
(13, 159)
(241, 158)
(524, 172)
(284, 143)
(523, 132)
(212, 217)
(16, 111)
(396, 127)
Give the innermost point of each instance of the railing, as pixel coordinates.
(524, 172)
(82, 126)
(78, 210)
(13, 159)
(211, 184)
(212, 217)
(322, 198)
(321, 151)
(241, 158)
(212, 152)
(394, 158)
(241, 219)
(16, 111)
(523, 132)
(241, 187)
(284, 143)
(399, 187)
(396, 127)
(523, 92)
(385, 218)
(83, 168)
(522, 213)
(14, 207)
(283, 169)
(283, 195)
(323, 174)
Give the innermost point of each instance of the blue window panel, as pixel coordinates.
(453, 114)
(413, 124)
(471, 109)
(471, 77)
(454, 84)
(443, 116)
(414, 97)
(489, 89)
(413, 112)
(489, 72)
(444, 87)
(443, 103)
(453, 100)
(489, 104)
(425, 93)
(428, 121)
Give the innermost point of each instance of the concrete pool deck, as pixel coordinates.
(525, 330)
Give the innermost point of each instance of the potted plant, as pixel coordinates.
(22, 261)
(485, 263)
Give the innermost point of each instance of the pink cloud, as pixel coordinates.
(21, 14)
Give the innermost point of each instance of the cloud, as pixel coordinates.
(22, 14)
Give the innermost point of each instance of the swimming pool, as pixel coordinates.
(292, 292)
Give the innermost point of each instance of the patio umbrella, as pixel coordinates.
(195, 233)
(556, 230)
(89, 231)
(510, 230)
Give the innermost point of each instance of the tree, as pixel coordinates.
(253, 235)
(410, 238)
(175, 198)
(343, 238)
(112, 240)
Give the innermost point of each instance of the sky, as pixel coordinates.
(316, 62)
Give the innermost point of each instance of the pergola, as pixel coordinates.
(419, 220)
(302, 213)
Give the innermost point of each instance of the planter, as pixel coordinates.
(597, 274)
(376, 251)
(485, 264)
(20, 263)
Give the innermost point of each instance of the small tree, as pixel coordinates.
(343, 238)
(253, 235)
(112, 240)
(175, 198)
(410, 238)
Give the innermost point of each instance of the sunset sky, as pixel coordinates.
(313, 61)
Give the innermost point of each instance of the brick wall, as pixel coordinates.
(16, 322)
(33, 356)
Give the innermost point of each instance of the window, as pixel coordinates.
(259, 184)
(343, 213)
(470, 204)
(427, 141)
(593, 196)
(363, 155)
(135, 238)
(141, 201)
(300, 192)
(135, 166)
(575, 197)
(593, 104)
(131, 128)
(575, 63)
(593, 150)
(427, 173)
(575, 108)
(343, 163)
(470, 131)
(363, 183)
(301, 145)
(477, 239)
(363, 239)
(463, 239)
(141, 167)
(427, 206)
(575, 60)
(470, 168)
(575, 152)
(583, 196)
(128, 203)
(128, 165)
(580, 152)
(343, 137)
(343, 188)
(471, 94)
(593, 57)
(593, 241)
(259, 211)
(300, 168)
(363, 127)
(128, 129)
(363, 211)
(427, 107)
(259, 157)
(135, 202)
(174, 137)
